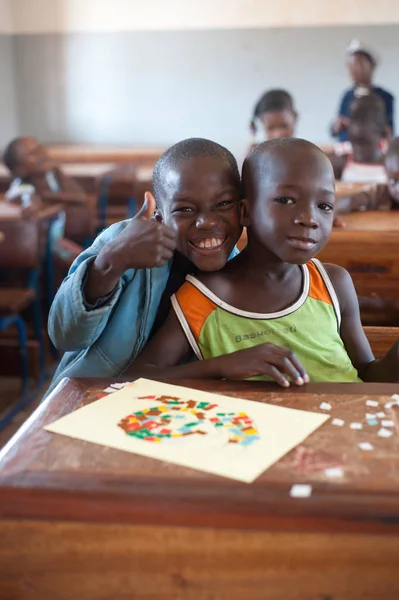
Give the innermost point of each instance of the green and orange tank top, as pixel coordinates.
(310, 327)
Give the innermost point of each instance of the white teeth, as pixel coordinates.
(210, 243)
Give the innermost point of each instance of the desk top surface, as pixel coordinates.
(12, 212)
(48, 476)
(372, 220)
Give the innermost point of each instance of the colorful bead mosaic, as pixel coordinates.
(176, 418)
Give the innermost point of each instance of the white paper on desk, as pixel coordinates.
(242, 451)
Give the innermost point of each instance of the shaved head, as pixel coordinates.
(170, 163)
(266, 161)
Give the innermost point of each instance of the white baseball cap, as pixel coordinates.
(356, 46)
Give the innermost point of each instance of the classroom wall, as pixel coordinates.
(6, 25)
(8, 108)
(153, 88)
(50, 16)
(8, 111)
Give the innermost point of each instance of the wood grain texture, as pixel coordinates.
(104, 154)
(61, 561)
(47, 476)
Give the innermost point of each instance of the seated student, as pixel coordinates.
(30, 163)
(274, 311)
(367, 130)
(379, 196)
(118, 291)
(35, 173)
(276, 111)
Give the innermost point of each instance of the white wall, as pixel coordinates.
(5, 17)
(154, 88)
(8, 111)
(52, 16)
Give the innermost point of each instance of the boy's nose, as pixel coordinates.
(306, 219)
(207, 221)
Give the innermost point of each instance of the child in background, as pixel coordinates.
(117, 293)
(361, 63)
(36, 174)
(274, 291)
(30, 163)
(367, 131)
(276, 111)
(378, 196)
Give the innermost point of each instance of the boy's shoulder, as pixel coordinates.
(216, 282)
(342, 283)
(336, 273)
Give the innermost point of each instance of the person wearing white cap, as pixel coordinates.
(361, 62)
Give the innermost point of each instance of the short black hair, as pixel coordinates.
(393, 149)
(184, 150)
(367, 55)
(272, 101)
(253, 165)
(369, 109)
(10, 154)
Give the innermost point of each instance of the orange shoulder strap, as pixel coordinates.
(318, 289)
(195, 306)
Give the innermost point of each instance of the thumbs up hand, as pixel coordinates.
(144, 243)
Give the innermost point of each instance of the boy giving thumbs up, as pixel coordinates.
(117, 291)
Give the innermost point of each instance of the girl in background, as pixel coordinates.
(276, 111)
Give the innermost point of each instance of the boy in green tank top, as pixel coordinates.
(274, 312)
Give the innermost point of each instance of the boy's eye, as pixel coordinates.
(326, 207)
(183, 209)
(226, 203)
(285, 200)
(393, 181)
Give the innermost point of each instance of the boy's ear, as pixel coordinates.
(244, 213)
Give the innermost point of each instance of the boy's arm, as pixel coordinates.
(353, 336)
(163, 353)
(72, 325)
(87, 297)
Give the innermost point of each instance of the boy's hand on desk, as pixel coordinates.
(266, 359)
(145, 243)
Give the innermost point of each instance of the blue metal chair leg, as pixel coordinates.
(103, 203)
(37, 323)
(23, 349)
(131, 207)
(25, 398)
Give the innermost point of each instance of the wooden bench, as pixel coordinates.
(371, 259)
(381, 339)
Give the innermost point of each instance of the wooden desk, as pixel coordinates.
(344, 189)
(88, 174)
(372, 220)
(83, 521)
(12, 212)
(104, 154)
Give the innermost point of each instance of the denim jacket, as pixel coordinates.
(104, 341)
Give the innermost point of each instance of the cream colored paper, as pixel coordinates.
(279, 430)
